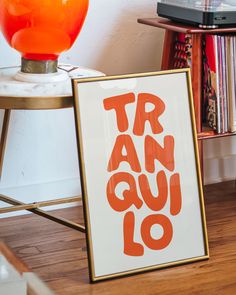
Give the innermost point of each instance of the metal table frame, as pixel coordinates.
(34, 103)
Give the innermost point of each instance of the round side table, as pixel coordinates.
(15, 95)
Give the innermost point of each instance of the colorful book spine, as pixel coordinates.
(183, 51)
(219, 77)
(219, 82)
(232, 97)
(210, 82)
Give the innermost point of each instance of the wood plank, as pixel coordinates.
(164, 23)
(58, 255)
(211, 135)
(168, 50)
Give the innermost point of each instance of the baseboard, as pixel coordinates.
(216, 169)
(219, 169)
(218, 180)
(42, 192)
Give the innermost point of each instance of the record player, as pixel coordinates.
(202, 13)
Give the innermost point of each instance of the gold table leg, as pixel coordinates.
(36, 205)
(33, 207)
(3, 140)
(44, 214)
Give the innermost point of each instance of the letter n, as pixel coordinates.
(165, 155)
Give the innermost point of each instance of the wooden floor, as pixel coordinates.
(58, 255)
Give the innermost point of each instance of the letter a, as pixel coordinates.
(124, 141)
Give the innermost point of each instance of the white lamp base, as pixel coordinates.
(42, 78)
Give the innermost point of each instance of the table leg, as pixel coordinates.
(44, 214)
(197, 89)
(168, 50)
(3, 140)
(197, 78)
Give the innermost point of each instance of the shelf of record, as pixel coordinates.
(219, 81)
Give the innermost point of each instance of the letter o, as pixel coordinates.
(164, 241)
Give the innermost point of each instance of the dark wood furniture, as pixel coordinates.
(171, 30)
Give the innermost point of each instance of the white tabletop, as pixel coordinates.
(10, 87)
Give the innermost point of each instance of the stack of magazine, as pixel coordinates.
(219, 66)
(219, 78)
(183, 51)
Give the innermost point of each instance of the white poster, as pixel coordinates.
(140, 173)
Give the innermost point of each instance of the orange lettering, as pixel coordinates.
(142, 116)
(164, 241)
(154, 203)
(130, 196)
(175, 195)
(118, 103)
(124, 141)
(153, 151)
(131, 248)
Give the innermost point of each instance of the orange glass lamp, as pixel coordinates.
(40, 30)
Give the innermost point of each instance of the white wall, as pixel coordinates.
(41, 158)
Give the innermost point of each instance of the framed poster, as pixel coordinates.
(140, 174)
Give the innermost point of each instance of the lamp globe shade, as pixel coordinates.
(41, 29)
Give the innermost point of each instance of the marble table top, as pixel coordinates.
(10, 87)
